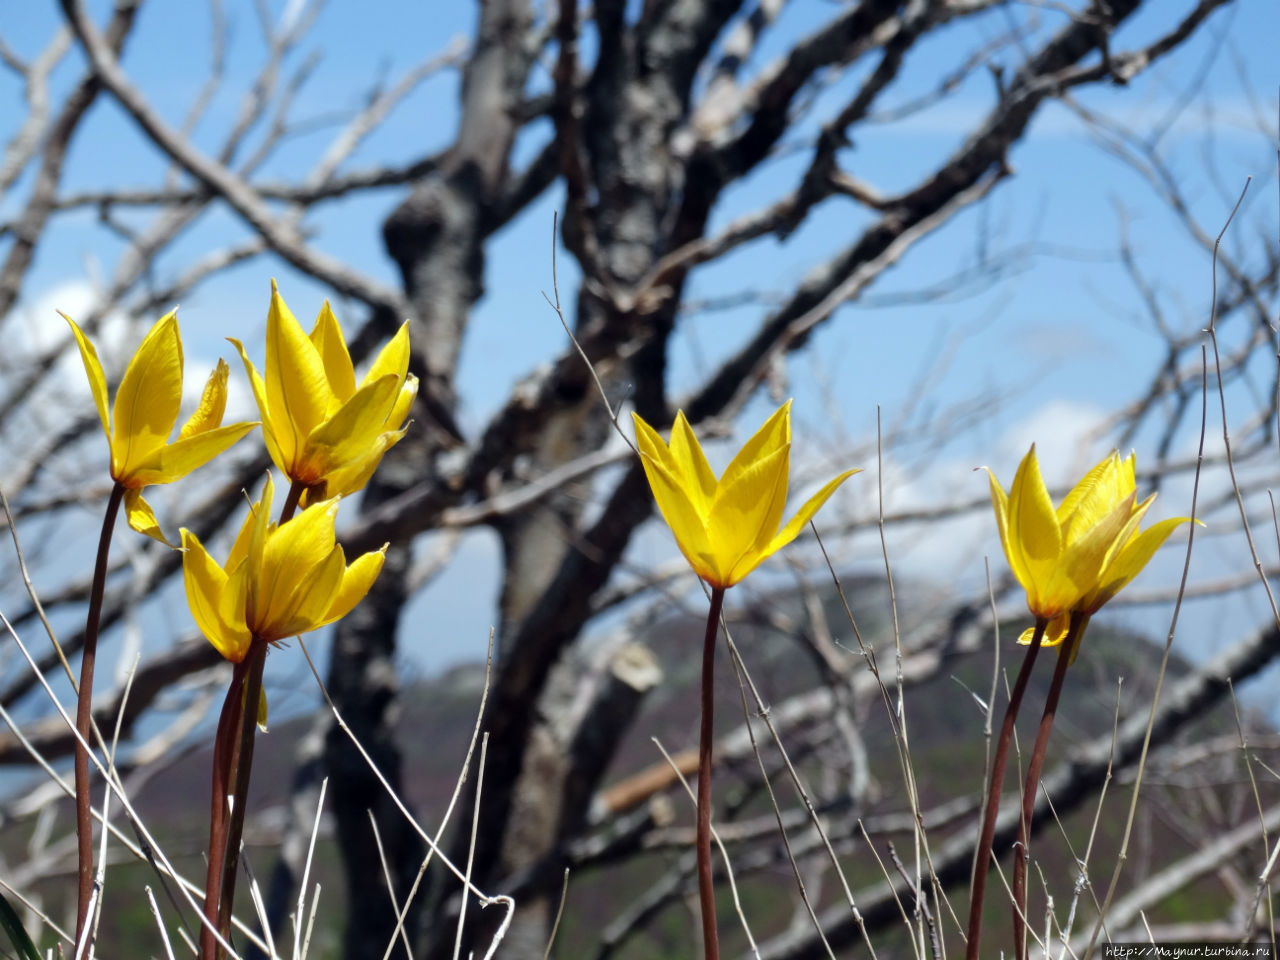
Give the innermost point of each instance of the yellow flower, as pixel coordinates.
(278, 581)
(725, 528)
(1075, 558)
(321, 429)
(146, 408)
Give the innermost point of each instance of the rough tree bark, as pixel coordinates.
(436, 236)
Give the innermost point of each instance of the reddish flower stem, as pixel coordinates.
(1032, 784)
(241, 762)
(296, 490)
(982, 860)
(706, 886)
(222, 760)
(84, 714)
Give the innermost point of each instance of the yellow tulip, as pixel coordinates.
(1079, 556)
(278, 581)
(145, 411)
(725, 528)
(321, 429)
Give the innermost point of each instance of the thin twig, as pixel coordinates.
(164, 933)
(388, 880)
(1173, 623)
(555, 924)
(457, 792)
(484, 898)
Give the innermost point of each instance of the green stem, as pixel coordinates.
(1032, 785)
(84, 713)
(706, 886)
(982, 860)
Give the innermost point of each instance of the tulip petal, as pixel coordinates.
(745, 514)
(176, 460)
(233, 608)
(332, 347)
(404, 403)
(256, 548)
(240, 548)
(297, 390)
(213, 404)
(351, 431)
(1092, 497)
(807, 511)
(699, 480)
(1135, 556)
(391, 359)
(1000, 504)
(1033, 528)
(141, 517)
(650, 444)
(280, 445)
(92, 367)
(1082, 561)
(1128, 471)
(684, 520)
(206, 584)
(773, 434)
(294, 552)
(304, 610)
(1128, 532)
(1113, 484)
(1054, 633)
(352, 477)
(357, 580)
(148, 398)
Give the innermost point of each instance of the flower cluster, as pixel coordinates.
(283, 578)
(325, 433)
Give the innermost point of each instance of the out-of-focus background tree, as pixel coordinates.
(947, 227)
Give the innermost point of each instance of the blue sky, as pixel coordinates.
(1063, 337)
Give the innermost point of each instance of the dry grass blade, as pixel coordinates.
(471, 846)
(164, 933)
(555, 925)
(739, 671)
(1250, 918)
(298, 950)
(1082, 877)
(31, 590)
(386, 876)
(1177, 606)
(484, 898)
(187, 888)
(453, 799)
(255, 897)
